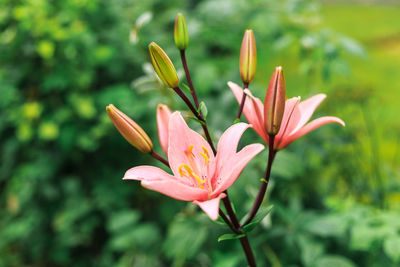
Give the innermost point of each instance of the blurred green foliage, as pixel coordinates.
(62, 201)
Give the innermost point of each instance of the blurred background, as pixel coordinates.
(336, 192)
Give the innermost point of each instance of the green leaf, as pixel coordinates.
(249, 227)
(196, 119)
(333, 261)
(326, 225)
(262, 212)
(203, 109)
(236, 121)
(311, 250)
(185, 238)
(186, 87)
(391, 246)
(230, 237)
(123, 220)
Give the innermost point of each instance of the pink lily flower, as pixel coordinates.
(198, 175)
(295, 117)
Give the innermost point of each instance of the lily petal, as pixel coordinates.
(158, 180)
(290, 120)
(175, 189)
(211, 207)
(146, 173)
(228, 142)
(163, 115)
(308, 107)
(258, 123)
(308, 128)
(233, 168)
(250, 109)
(181, 138)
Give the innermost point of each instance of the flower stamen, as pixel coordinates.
(185, 170)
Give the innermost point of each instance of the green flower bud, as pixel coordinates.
(180, 32)
(163, 66)
(248, 57)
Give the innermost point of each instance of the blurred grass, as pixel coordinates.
(377, 27)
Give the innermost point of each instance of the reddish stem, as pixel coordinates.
(159, 157)
(245, 86)
(189, 79)
(264, 184)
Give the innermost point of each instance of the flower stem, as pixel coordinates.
(188, 103)
(264, 184)
(245, 86)
(227, 221)
(198, 115)
(232, 221)
(196, 101)
(243, 240)
(159, 157)
(189, 79)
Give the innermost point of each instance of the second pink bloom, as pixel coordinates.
(295, 117)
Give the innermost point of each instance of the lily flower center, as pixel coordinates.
(196, 168)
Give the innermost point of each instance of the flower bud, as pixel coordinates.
(248, 57)
(163, 66)
(274, 104)
(180, 32)
(129, 129)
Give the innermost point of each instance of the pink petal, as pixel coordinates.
(181, 137)
(211, 207)
(233, 168)
(308, 107)
(175, 189)
(308, 128)
(290, 120)
(258, 107)
(146, 173)
(158, 180)
(253, 109)
(227, 144)
(163, 115)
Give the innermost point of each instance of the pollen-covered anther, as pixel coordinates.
(205, 155)
(185, 170)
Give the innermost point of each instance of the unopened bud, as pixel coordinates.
(180, 32)
(274, 104)
(248, 57)
(130, 130)
(163, 66)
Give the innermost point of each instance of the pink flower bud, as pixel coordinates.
(274, 104)
(130, 130)
(248, 57)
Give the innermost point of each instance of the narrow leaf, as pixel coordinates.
(186, 87)
(230, 237)
(249, 227)
(203, 109)
(262, 212)
(196, 119)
